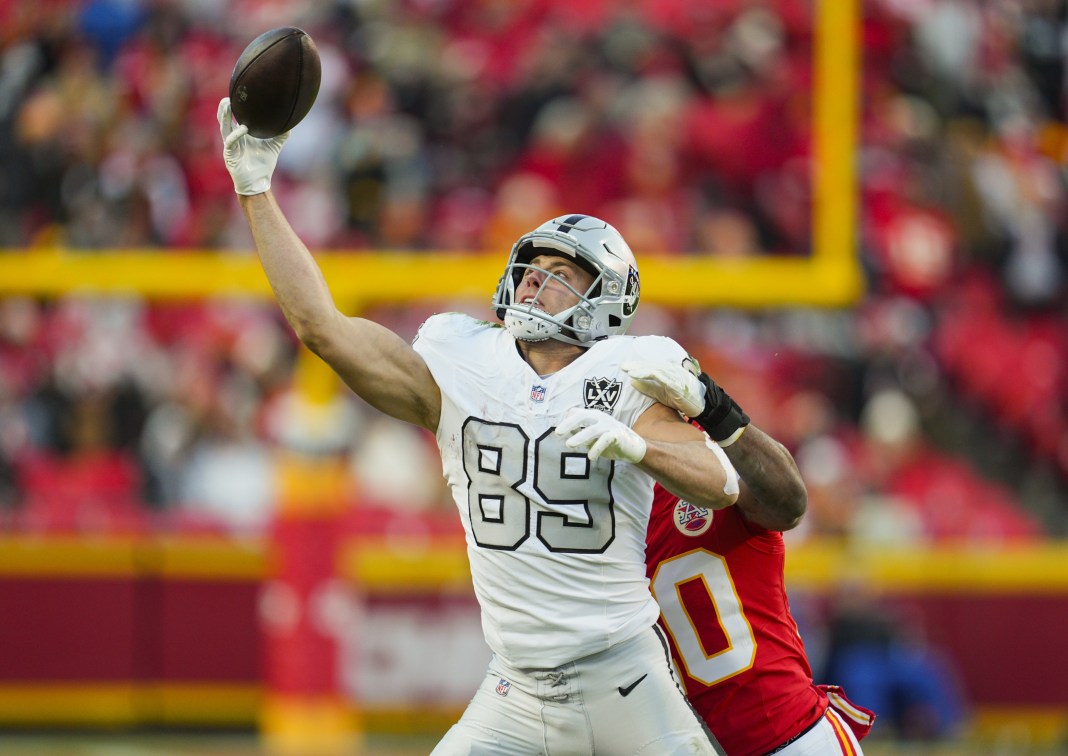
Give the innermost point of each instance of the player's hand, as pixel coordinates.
(677, 387)
(251, 161)
(672, 385)
(601, 435)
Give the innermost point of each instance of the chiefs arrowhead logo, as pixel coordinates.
(691, 520)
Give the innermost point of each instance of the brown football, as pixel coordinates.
(275, 81)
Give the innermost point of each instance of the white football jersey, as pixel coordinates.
(556, 543)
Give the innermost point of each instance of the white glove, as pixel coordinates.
(251, 161)
(671, 385)
(601, 435)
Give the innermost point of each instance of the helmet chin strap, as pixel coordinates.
(528, 327)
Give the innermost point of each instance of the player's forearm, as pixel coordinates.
(691, 471)
(774, 496)
(295, 278)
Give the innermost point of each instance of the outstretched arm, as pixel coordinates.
(376, 363)
(773, 493)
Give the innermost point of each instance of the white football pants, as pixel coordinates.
(619, 702)
(828, 737)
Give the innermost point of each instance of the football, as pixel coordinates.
(275, 82)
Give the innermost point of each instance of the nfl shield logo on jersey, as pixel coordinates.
(601, 393)
(691, 520)
(537, 393)
(503, 687)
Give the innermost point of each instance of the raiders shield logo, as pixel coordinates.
(601, 393)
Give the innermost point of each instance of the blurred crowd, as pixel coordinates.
(936, 409)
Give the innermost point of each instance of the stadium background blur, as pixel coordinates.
(199, 533)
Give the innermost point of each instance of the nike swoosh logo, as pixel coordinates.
(626, 691)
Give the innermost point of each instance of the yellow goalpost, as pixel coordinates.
(830, 277)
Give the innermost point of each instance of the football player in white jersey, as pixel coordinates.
(551, 456)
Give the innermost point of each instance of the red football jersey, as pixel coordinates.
(719, 582)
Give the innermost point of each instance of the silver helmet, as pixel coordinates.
(606, 308)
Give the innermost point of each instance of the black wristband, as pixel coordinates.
(722, 417)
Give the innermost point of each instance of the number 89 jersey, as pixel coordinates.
(556, 543)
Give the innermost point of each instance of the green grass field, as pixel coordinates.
(97, 744)
(101, 744)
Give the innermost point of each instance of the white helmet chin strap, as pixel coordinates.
(527, 326)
